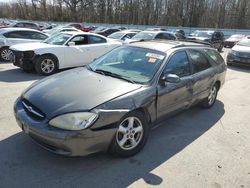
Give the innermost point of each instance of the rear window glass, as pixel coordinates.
(215, 56)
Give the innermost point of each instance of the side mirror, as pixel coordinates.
(171, 78)
(71, 43)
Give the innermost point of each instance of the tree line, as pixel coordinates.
(186, 13)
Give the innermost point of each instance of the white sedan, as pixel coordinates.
(64, 50)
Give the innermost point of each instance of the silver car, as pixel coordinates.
(11, 36)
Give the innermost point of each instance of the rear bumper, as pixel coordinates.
(63, 142)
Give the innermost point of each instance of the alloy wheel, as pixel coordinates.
(47, 66)
(129, 133)
(6, 54)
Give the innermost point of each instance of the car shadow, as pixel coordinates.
(245, 69)
(17, 75)
(24, 163)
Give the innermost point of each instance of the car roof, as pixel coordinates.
(8, 29)
(164, 45)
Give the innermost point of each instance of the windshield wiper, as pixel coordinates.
(108, 73)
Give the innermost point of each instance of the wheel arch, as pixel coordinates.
(48, 54)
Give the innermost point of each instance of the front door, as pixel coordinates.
(175, 96)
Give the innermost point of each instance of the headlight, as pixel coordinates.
(74, 121)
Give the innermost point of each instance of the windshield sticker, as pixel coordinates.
(156, 56)
(152, 60)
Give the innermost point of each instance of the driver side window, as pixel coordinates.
(178, 64)
(80, 40)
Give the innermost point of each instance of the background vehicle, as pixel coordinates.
(106, 32)
(151, 35)
(60, 29)
(122, 35)
(64, 50)
(240, 53)
(111, 104)
(232, 40)
(24, 24)
(11, 36)
(215, 38)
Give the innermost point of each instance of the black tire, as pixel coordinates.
(229, 64)
(4, 51)
(210, 100)
(115, 147)
(46, 59)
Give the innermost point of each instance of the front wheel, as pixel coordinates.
(46, 65)
(210, 100)
(130, 136)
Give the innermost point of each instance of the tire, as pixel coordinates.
(131, 137)
(5, 52)
(43, 61)
(210, 100)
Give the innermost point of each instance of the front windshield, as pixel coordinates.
(201, 34)
(244, 42)
(144, 36)
(58, 39)
(116, 35)
(138, 65)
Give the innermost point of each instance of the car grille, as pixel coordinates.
(33, 111)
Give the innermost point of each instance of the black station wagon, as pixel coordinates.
(111, 104)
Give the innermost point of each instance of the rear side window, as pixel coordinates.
(199, 61)
(214, 55)
(14, 34)
(35, 35)
(96, 40)
(178, 64)
(165, 36)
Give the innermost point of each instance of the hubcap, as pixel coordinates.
(212, 95)
(47, 66)
(5, 54)
(129, 133)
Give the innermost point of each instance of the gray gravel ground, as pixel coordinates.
(196, 148)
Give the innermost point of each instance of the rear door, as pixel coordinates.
(98, 46)
(203, 74)
(175, 96)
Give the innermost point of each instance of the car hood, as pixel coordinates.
(75, 90)
(239, 48)
(30, 46)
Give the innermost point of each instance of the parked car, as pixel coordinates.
(64, 50)
(155, 29)
(24, 24)
(60, 29)
(232, 40)
(111, 104)
(122, 35)
(48, 27)
(11, 36)
(240, 53)
(106, 32)
(179, 34)
(215, 38)
(151, 35)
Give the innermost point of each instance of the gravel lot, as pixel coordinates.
(196, 148)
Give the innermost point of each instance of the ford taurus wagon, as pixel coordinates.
(111, 104)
